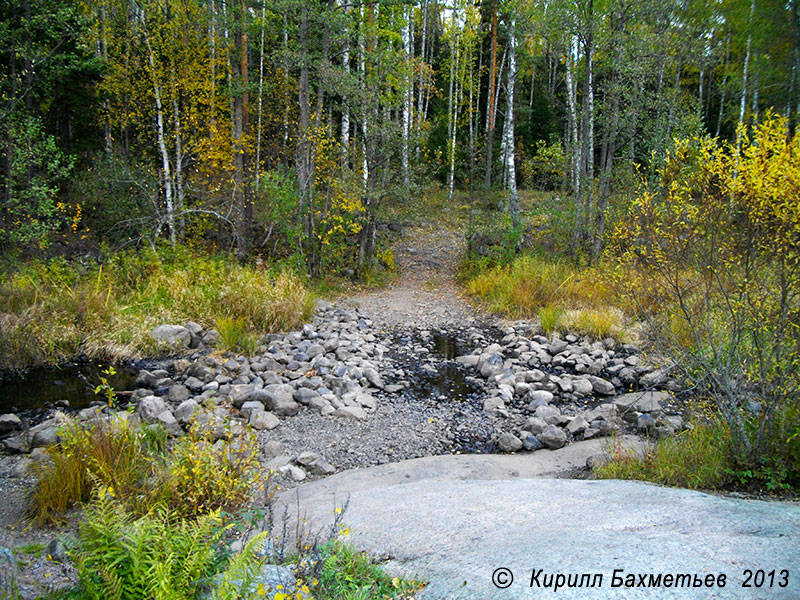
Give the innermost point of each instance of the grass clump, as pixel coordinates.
(234, 335)
(134, 464)
(51, 311)
(696, 458)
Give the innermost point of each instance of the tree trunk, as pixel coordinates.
(491, 97)
(745, 73)
(407, 94)
(511, 173)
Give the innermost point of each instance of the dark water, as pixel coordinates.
(450, 378)
(46, 387)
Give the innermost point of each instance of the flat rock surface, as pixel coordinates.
(455, 520)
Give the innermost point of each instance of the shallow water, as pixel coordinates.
(45, 387)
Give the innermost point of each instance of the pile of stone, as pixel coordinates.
(554, 390)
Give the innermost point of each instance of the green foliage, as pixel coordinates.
(51, 311)
(233, 335)
(717, 244)
(111, 453)
(158, 555)
(531, 283)
(32, 210)
(134, 465)
(201, 476)
(351, 575)
(544, 170)
(551, 318)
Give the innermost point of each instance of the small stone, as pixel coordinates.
(273, 448)
(178, 393)
(601, 386)
(550, 414)
(536, 425)
(186, 410)
(374, 378)
(251, 406)
(293, 471)
(577, 425)
(581, 386)
(493, 403)
(540, 397)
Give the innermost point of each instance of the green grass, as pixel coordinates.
(51, 311)
(697, 458)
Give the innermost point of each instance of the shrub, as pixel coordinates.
(202, 477)
(110, 452)
(719, 242)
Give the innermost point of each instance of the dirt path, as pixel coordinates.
(424, 292)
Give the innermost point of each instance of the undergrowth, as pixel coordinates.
(51, 311)
(134, 464)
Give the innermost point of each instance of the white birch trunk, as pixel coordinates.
(511, 174)
(406, 118)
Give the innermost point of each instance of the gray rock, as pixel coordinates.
(145, 379)
(577, 425)
(150, 407)
(17, 443)
(167, 419)
(553, 437)
(278, 398)
(23, 468)
(601, 386)
(196, 384)
(352, 413)
(536, 425)
(492, 365)
(508, 442)
(366, 400)
(315, 463)
(261, 419)
(374, 378)
(493, 403)
(305, 395)
(648, 402)
(532, 443)
(251, 406)
(178, 393)
(550, 414)
(293, 471)
(174, 335)
(9, 422)
(469, 360)
(241, 393)
(581, 386)
(273, 448)
(47, 436)
(654, 379)
(211, 338)
(540, 396)
(645, 423)
(186, 410)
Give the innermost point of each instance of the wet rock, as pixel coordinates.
(553, 437)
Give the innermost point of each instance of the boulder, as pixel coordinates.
(173, 335)
(278, 398)
(150, 407)
(646, 402)
(260, 419)
(251, 406)
(186, 410)
(9, 422)
(508, 442)
(550, 414)
(553, 437)
(178, 393)
(352, 413)
(602, 386)
(532, 443)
